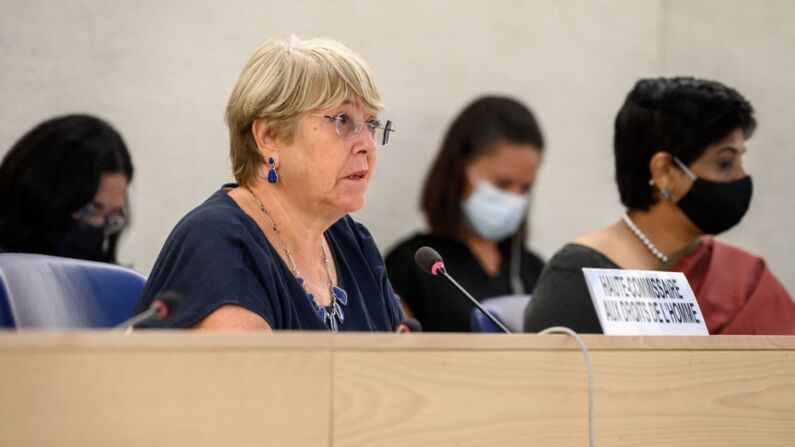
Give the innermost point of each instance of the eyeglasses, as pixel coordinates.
(110, 225)
(348, 127)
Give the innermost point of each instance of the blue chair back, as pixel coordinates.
(508, 309)
(47, 292)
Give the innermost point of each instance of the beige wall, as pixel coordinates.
(161, 72)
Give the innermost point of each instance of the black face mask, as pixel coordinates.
(714, 207)
(81, 241)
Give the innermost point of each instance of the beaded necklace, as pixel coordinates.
(644, 239)
(332, 314)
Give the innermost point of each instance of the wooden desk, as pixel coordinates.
(302, 389)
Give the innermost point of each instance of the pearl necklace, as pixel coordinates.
(332, 314)
(643, 238)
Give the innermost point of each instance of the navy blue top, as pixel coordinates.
(218, 255)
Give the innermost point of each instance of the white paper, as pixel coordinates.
(640, 302)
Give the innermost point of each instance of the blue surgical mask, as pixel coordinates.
(492, 213)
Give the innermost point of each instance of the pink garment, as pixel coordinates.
(737, 293)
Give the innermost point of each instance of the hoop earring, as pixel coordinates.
(273, 176)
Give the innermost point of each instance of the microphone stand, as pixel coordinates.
(485, 312)
(128, 325)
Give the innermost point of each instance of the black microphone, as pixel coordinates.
(408, 325)
(431, 262)
(161, 308)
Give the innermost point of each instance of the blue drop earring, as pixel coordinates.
(273, 176)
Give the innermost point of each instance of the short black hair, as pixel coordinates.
(483, 122)
(53, 171)
(681, 116)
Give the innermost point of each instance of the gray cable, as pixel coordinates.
(587, 356)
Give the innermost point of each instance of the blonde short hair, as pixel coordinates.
(284, 79)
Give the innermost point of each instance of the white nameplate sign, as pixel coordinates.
(640, 302)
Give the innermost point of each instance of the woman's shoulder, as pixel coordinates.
(729, 250)
(217, 217)
(600, 247)
(720, 253)
(218, 206)
(575, 255)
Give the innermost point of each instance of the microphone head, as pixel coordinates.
(409, 325)
(429, 260)
(167, 303)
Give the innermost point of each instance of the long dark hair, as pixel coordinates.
(483, 122)
(53, 171)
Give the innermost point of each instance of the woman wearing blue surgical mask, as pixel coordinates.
(679, 145)
(475, 200)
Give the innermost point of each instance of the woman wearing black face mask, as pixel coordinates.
(679, 144)
(63, 189)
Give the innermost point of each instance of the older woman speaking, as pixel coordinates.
(278, 250)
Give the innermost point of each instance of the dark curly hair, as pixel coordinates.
(680, 115)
